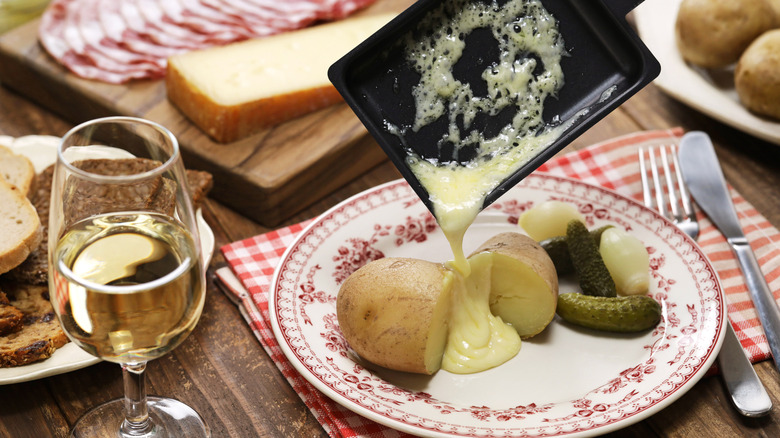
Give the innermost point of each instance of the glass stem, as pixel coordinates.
(137, 421)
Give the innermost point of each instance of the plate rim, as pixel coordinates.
(644, 413)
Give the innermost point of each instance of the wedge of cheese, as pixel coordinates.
(236, 90)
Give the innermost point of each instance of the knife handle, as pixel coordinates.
(768, 311)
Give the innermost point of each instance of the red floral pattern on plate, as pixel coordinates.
(628, 377)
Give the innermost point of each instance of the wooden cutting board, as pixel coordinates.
(267, 177)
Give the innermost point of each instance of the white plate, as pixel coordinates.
(565, 381)
(42, 151)
(710, 92)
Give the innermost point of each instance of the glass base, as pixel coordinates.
(170, 418)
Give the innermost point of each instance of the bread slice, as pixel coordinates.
(34, 269)
(10, 317)
(233, 91)
(16, 169)
(21, 227)
(40, 335)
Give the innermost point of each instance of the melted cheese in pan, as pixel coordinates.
(527, 73)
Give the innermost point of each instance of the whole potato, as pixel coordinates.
(757, 76)
(393, 312)
(714, 33)
(775, 4)
(548, 219)
(524, 283)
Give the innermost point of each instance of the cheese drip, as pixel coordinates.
(477, 340)
(527, 73)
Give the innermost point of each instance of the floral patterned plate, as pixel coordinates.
(567, 381)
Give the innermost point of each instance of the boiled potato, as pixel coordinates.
(714, 33)
(524, 284)
(393, 312)
(398, 312)
(776, 7)
(757, 77)
(548, 219)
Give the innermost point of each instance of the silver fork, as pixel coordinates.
(685, 219)
(747, 392)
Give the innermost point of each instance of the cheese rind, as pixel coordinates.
(233, 91)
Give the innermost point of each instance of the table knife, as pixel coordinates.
(703, 175)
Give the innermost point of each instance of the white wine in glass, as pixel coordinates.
(125, 264)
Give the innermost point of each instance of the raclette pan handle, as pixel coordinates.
(621, 8)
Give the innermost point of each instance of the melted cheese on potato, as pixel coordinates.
(477, 339)
(527, 72)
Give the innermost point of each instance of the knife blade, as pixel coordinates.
(748, 394)
(703, 176)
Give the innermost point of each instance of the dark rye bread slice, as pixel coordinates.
(34, 270)
(88, 199)
(40, 334)
(10, 316)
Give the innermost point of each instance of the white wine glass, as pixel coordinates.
(125, 265)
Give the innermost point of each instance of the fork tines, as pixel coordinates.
(671, 195)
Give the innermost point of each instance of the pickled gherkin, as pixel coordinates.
(558, 250)
(615, 314)
(594, 277)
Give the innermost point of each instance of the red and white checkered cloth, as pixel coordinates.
(612, 164)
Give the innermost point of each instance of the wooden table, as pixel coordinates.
(223, 372)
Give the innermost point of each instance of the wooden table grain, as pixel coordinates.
(223, 372)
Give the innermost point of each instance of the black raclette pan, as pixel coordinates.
(607, 64)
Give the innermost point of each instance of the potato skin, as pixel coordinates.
(714, 33)
(393, 312)
(757, 77)
(775, 4)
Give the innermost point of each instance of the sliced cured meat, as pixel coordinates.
(118, 41)
(117, 36)
(338, 9)
(303, 13)
(260, 25)
(59, 35)
(84, 30)
(105, 31)
(147, 18)
(193, 13)
(51, 28)
(128, 17)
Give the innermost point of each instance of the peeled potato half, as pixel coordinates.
(524, 283)
(393, 312)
